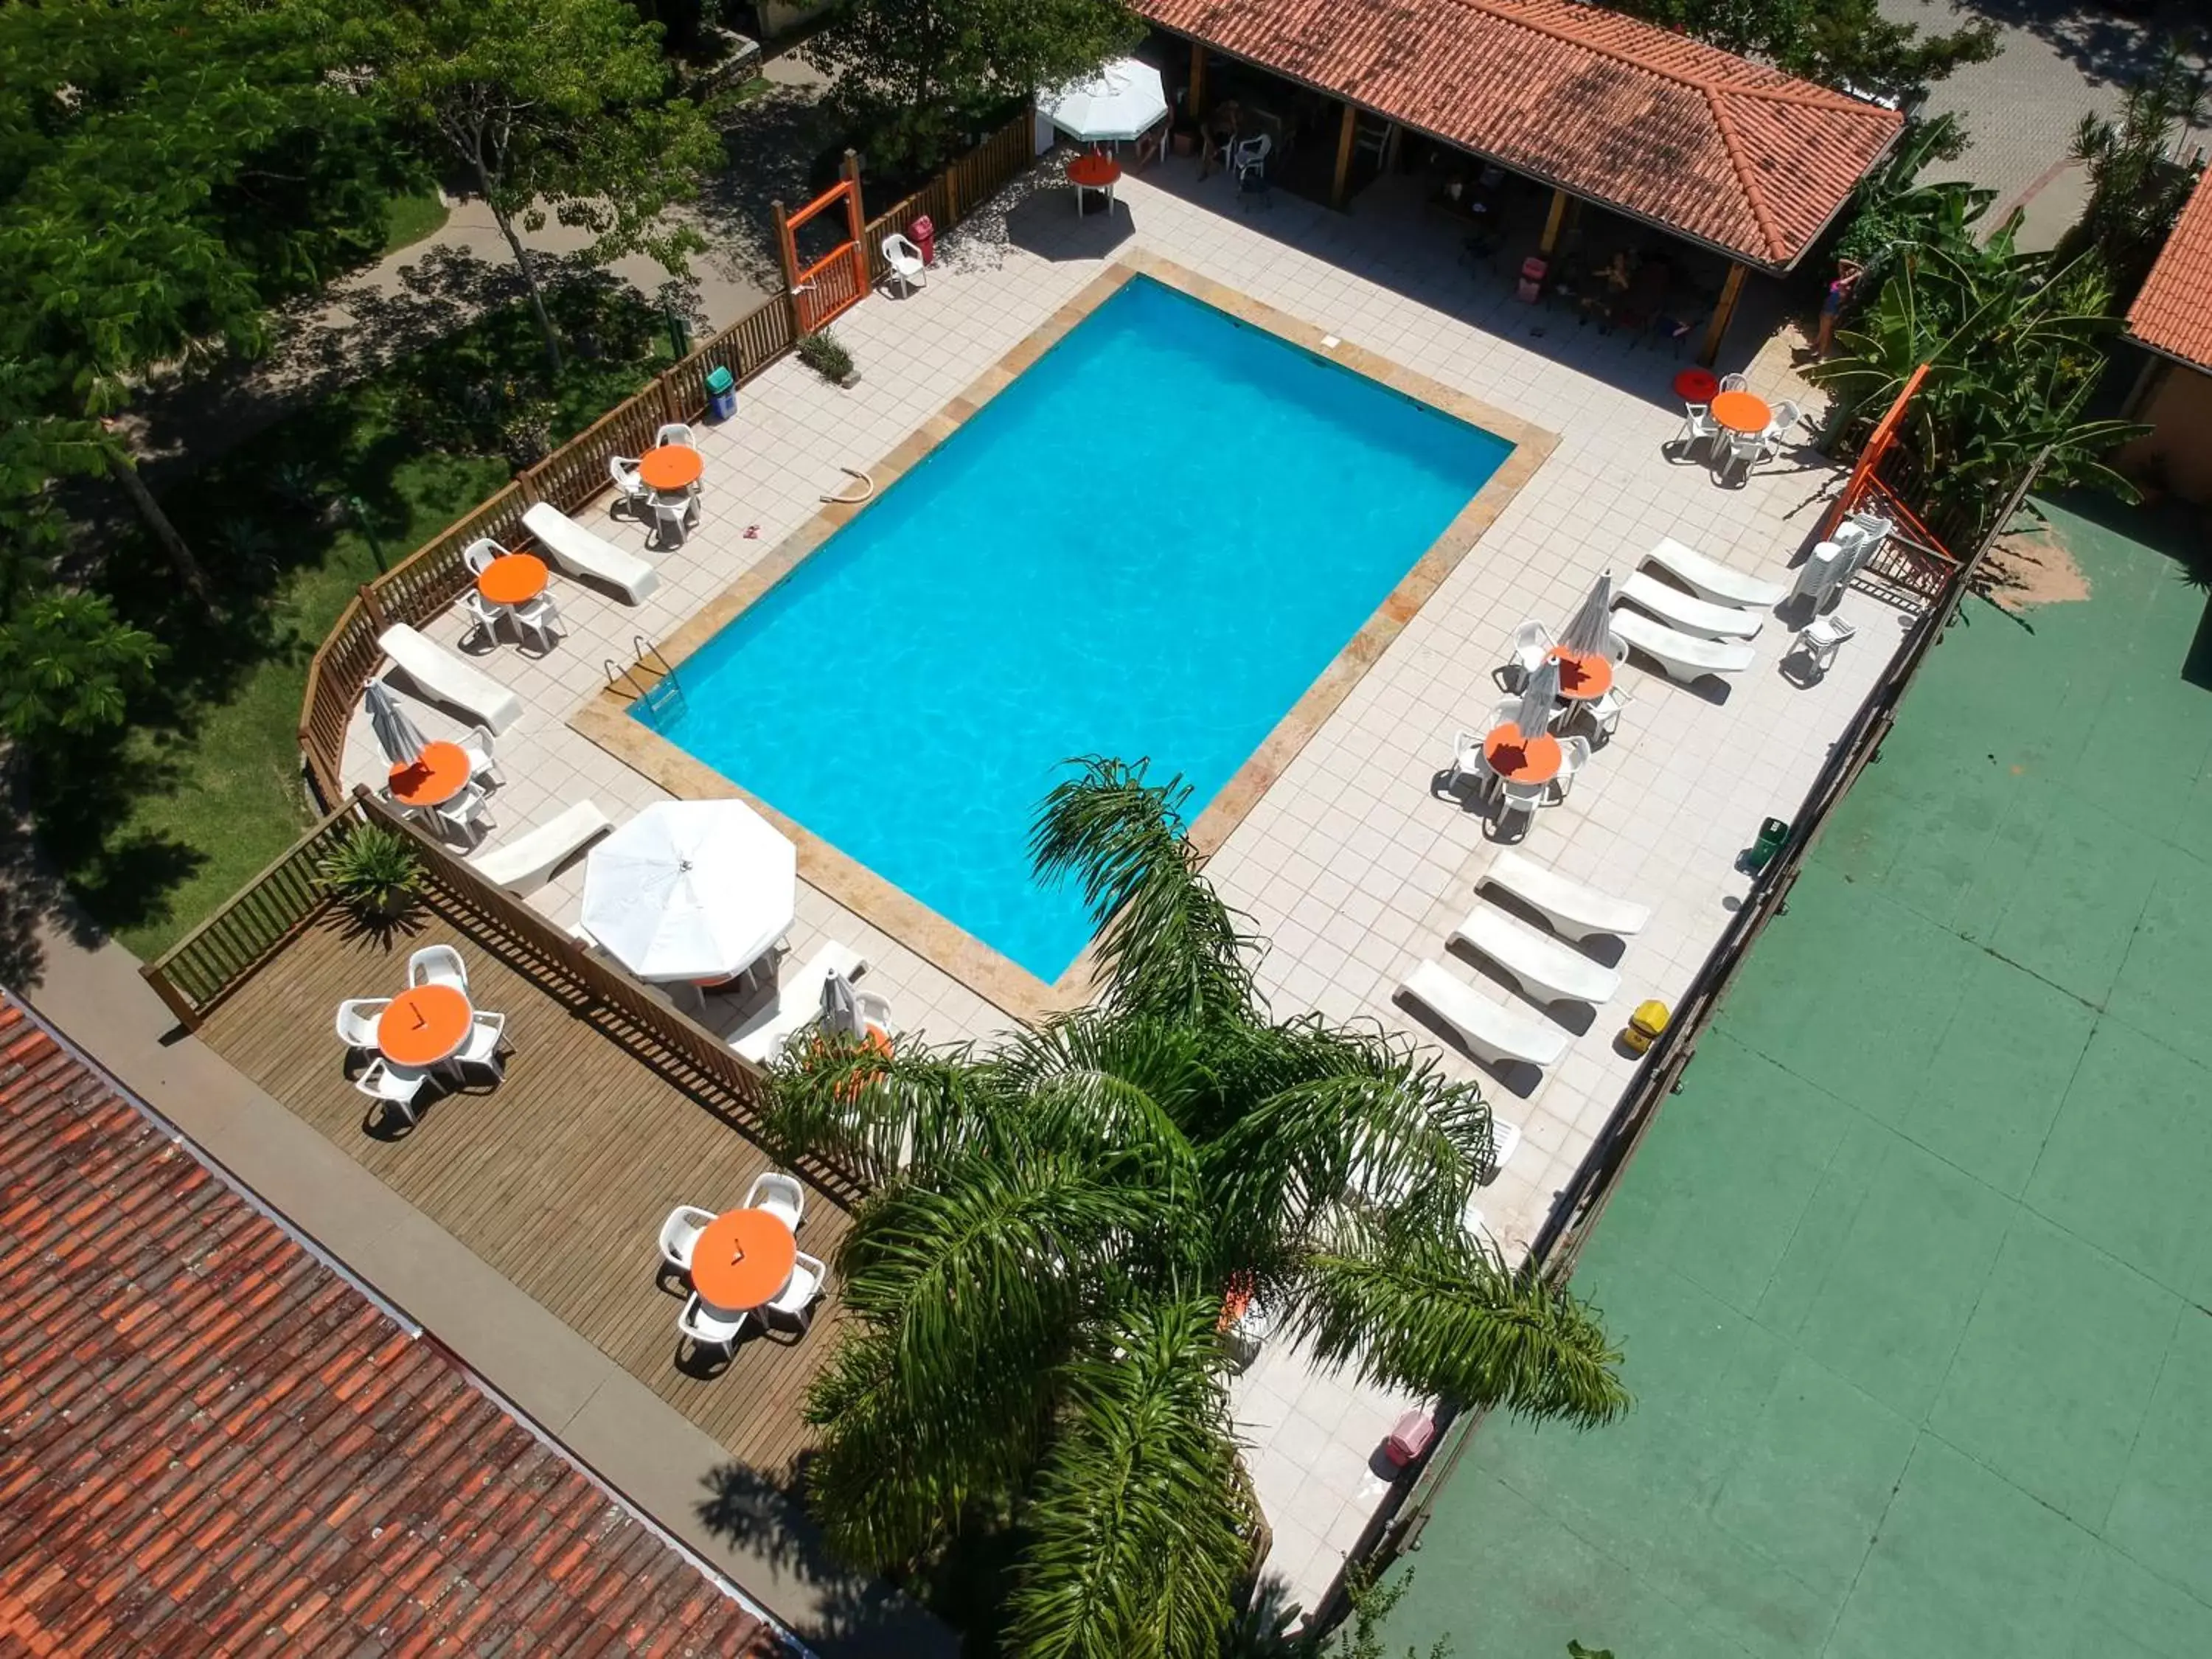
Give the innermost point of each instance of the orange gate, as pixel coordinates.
(836, 282)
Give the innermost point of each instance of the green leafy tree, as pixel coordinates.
(1035, 1291)
(2136, 187)
(554, 108)
(168, 169)
(915, 75)
(1893, 210)
(1837, 43)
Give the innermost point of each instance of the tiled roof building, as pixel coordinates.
(213, 1441)
(2173, 313)
(1741, 157)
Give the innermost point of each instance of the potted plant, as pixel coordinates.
(825, 354)
(375, 872)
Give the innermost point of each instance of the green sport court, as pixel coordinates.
(1913, 1275)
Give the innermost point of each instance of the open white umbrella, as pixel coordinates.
(1589, 631)
(395, 733)
(1123, 100)
(1538, 698)
(691, 889)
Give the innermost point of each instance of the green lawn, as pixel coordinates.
(156, 827)
(410, 219)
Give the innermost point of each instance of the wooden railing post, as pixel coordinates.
(172, 999)
(373, 606)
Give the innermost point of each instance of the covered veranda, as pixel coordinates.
(1562, 136)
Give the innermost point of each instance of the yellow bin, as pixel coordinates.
(1644, 1026)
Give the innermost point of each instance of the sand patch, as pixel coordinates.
(2032, 567)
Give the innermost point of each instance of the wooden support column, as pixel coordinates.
(1348, 136)
(1722, 312)
(1197, 99)
(1552, 221)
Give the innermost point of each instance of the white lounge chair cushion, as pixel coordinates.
(1548, 971)
(580, 553)
(529, 858)
(1493, 1030)
(1712, 579)
(442, 676)
(1690, 614)
(798, 1004)
(1574, 911)
(1684, 656)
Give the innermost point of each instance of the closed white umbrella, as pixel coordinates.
(1589, 631)
(691, 889)
(395, 733)
(1538, 698)
(840, 1007)
(1123, 100)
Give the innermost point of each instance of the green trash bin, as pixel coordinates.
(721, 394)
(1772, 832)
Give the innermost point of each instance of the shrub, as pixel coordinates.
(376, 871)
(826, 355)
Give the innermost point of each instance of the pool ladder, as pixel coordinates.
(650, 678)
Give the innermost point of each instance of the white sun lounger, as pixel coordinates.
(1492, 1030)
(1713, 579)
(1546, 970)
(1683, 657)
(580, 553)
(1574, 911)
(1687, 612)
(798, 1004)
(441, 677)
(526, 861)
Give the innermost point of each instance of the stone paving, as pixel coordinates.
(1356, 862)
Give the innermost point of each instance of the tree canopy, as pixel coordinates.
(559, 108)
(2137, 187)
(1846, 44)
(1064, 1223)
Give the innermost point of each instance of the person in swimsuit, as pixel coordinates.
(1831, 305)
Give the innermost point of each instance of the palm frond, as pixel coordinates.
(1446, 1316)
(1168, 946)
(1135, 1531)
(880, 1116)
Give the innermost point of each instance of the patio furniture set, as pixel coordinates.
(428, 1032)
(1735, 428)
(744, 1266)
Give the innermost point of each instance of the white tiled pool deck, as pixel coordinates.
(1354, 863)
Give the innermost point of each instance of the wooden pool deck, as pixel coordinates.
(558, 1177)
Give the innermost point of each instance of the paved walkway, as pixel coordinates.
(1913, 1275)
(614, 1424)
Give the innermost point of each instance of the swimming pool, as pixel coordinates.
(1150, 544)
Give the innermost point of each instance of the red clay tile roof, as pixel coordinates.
(2173, 313)
(212, 1442)
(1684, 135)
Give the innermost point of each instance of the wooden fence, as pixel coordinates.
(434, 575)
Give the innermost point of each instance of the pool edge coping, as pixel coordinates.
(604, 717)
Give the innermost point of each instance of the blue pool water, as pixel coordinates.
(1149, 545)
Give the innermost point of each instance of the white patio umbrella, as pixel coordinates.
(840, 1007)
(1590, 630)
(1538, 698)
(1123, 100)
(691, 889)
(395, 733)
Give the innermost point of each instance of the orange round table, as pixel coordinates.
(1583, 674)
(432, 777)
(671, 467)
(1522, 760)
(742, 1260)
(513, 578)
(1093, 172)
(1739, 411)
(423, 1025)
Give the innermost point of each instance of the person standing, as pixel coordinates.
(1848, 273)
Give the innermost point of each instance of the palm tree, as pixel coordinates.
(1035, 1289)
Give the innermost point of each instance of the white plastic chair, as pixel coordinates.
(1735, 383)
(356, 1021)
(1574, 754)
(671, 519)
(1523, 797)
(676, 432)
(483, 612)
(539, 617)
(780, 1195)
(462, 816)
(1699, 428)
(810, 1278)
(904, 258)
(622, 470)
(1744, 451)
(1468, 761)
(481, 1048)
(1822, 639)
(438, 964)
(1604, 709)
(1532, 643)
(483, 768)
(679, 1234)
(479, 554)
(395, 1085)
(1253, 153)
(709, 1329)
(1777, 429)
